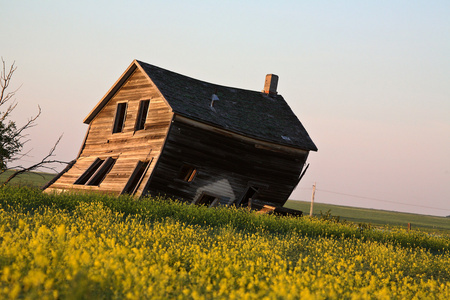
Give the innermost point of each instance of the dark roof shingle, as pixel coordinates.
(250, 113)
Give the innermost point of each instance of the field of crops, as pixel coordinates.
(91, 246)
(376, 217)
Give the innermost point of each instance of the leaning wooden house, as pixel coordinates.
(156, 132)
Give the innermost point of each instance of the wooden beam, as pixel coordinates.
(258, 143)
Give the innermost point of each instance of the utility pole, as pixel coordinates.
(312, 200)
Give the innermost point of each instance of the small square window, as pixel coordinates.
(187, 173)
(250, 193)
(206, 200)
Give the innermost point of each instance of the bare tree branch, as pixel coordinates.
(42, 164)
(30, 123)
(5, 80)
(13, 137)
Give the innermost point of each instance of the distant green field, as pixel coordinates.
(375, 217)
(33, 179)
(352, 214)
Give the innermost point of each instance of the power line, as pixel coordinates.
(380, 200)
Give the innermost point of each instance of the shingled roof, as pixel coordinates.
(250, 113)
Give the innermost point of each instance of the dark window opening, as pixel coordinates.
(205, 200)
(249, 195)
(142, 115)
(89, 172)
(136, 178)
(120, 117)
(187, 173)
(96, 172)
(102, 171)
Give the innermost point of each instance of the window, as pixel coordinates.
(136, 178)
(187, 173)
(120, 117)
(249, 195)
(89, 172)
(206, 200)
(96, 172)
(142, 115)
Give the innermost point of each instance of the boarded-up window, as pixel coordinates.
(96, 172)
(142, 115)
(187, 173)
(136, 178)
(120, 117)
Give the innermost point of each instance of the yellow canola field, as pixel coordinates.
(93, 253)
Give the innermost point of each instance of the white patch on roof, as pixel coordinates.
(214, 97)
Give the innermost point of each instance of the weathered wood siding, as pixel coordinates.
(226, 166)
(129, 146)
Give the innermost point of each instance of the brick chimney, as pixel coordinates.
(270, 86)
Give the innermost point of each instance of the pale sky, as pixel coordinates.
(369, 80)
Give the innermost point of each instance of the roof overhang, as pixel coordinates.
(260, 144)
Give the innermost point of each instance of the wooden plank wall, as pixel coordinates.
(226, 167)
(128, 146)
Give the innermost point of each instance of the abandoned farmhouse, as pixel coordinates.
(156, 132)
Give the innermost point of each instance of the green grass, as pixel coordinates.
(158, 209)
(376, 217)
(94, 246)
(32, 179)
(352, 214)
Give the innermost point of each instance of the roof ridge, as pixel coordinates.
(192, 78)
